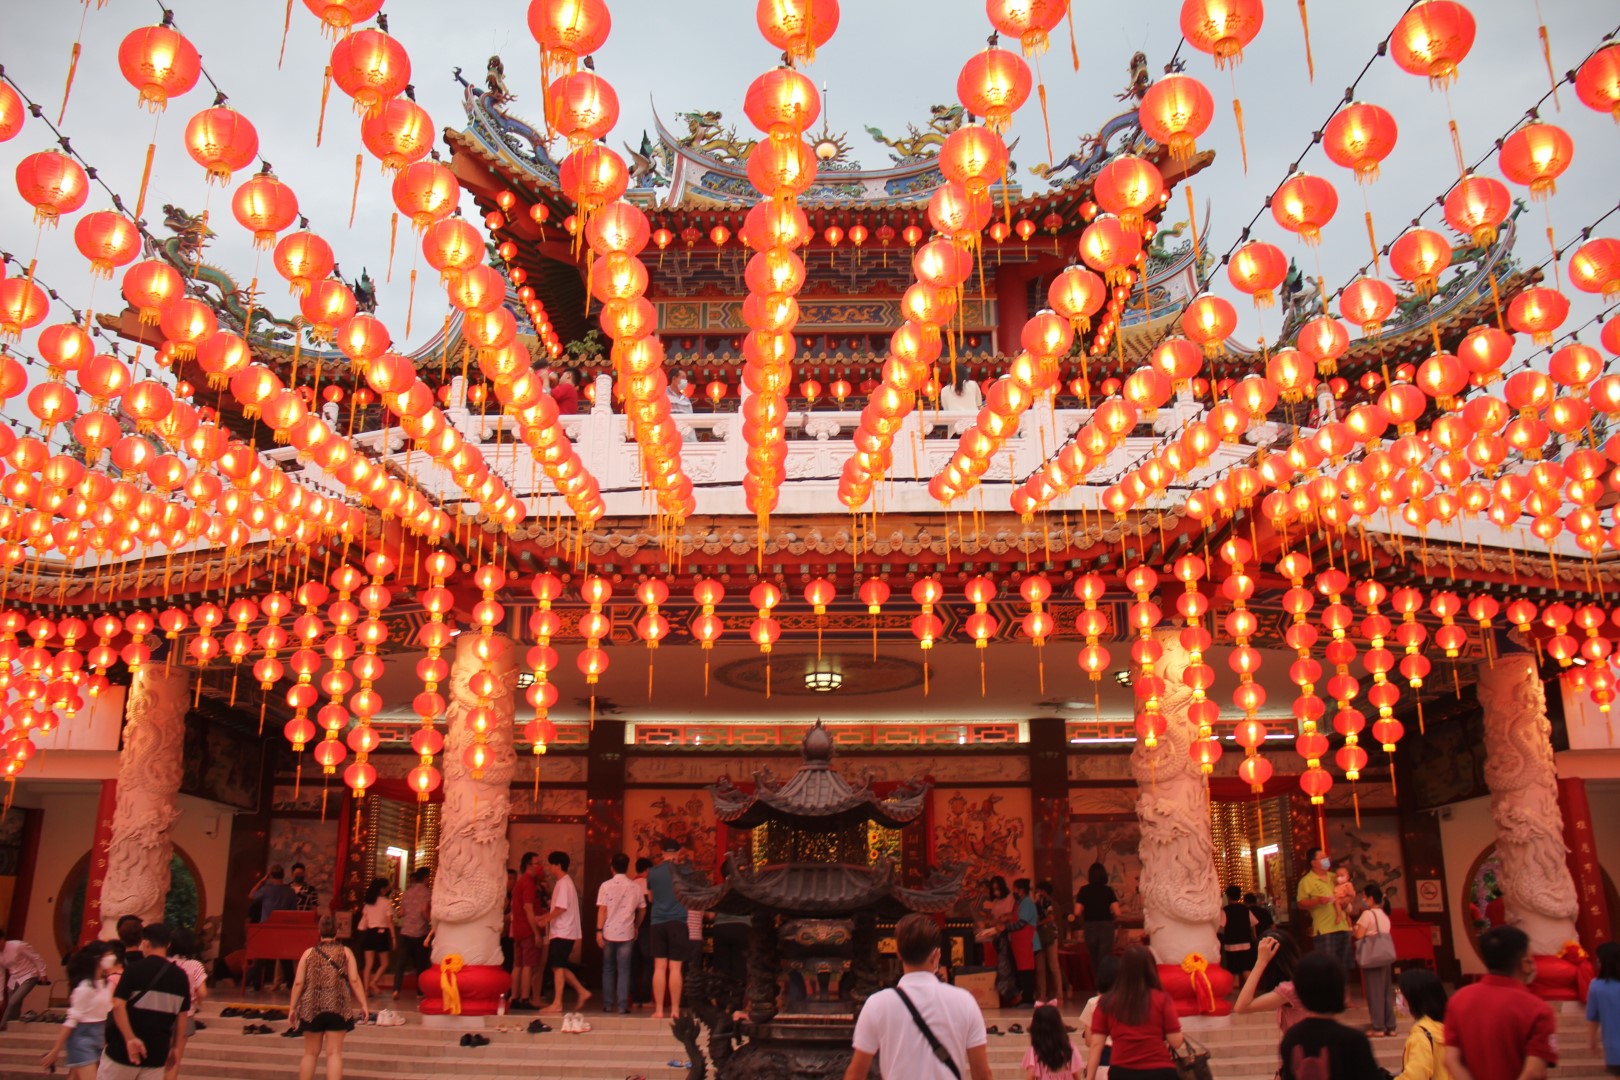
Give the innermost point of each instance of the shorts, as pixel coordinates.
(558, 950)
(526, 952)
(375, 940)
(669, 941)
(326, 1021)
(85, 1043)
(113, 1070)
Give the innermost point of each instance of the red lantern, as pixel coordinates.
(1257, 269)
(264, 206)
(1110, 249)
(425, 192)
(1077, 294)
(994, 84)
(1128, 187)
(371, 68)
(108, 239)
(398, 133)
(1476, 206)
(974, 156)
(595, 176)
(1175, 111)
(1538, 312)
(582, 107)
(1359, 137)
(53, 184)
(1030, 21)
(1431, 39)
(1367, 302)
(151, 286)
(221, 140)
(1420, 256)
(1209, 320)
(797, 27)
(782, 103)
(160, 63)
(1536, 156)
(1597, 83)
(303, 258)
(1595, 267)
(11, 112)
(337, 16)
(1303, 204)
(187, 323)
(1221, 27)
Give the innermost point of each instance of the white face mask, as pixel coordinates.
(1325, 863)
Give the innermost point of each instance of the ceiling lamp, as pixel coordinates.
(823, 682)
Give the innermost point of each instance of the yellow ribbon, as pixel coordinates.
(448, 990)
(1571, 952)
(1195, 966)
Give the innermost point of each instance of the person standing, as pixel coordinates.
(1603, 1004)
(562, 921)
(619, 910)
(669, 940)
(1375, 954)
(641, 961)
(1097, 907)
(1048, 971)
(183, 955)
(508, 949)
(270, 895)
(1025, 942)
(152, 996)
(328, 997)
(1239, 931)
(377, 935)
(565, 394)
(1424, 1055)
(1319, 1047)
(415, 920)
(526, 935)
(920, 1018)
(1270, 984)
(23, 970)
(1329, 928)
(1140, 1019)
(303, 892)
(1496, 1029)
(83, 1033)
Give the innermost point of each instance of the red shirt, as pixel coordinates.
(566, 397)
(1140, 1046)
(524, 892)
(1496, 1023)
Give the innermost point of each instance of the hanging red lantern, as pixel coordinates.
(303, 258)
(187, 323)
(1367, 302)
(568, 31)
(1597, 83)
(371, 68)
(1129, 187)
(337, 16)
(160, 63)
(1176, 110)
(1595, 267)
(12, 112)
(222, 141)
(797, 27)
(1359, 137)
(264, 206)
(1536, 155)
(1110, 249)
(1476, 206)
(1029, 21)
(150, 286)
(1077, 294)
(1420, 256)
(398, 133)
(1256, 270)
(782, 103)
(1209, 321)
(994, 84)
(974, 156)
(1431, 39)
(53, 184)
(425, 192)
(1221, 28)
(1538, 312)
(582, 107)
(108, 239)
(1303, 204)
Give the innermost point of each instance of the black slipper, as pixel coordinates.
(992, 1030)
(466, 1039)
(538, 1027)
(1016, 1029)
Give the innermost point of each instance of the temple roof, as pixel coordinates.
(802, 889)
(817, 796)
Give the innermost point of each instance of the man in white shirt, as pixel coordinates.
(620, 903)
(23, 969)
(563, 921)
(954, 1045)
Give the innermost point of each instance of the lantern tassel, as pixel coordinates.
(1546, 56)
(925, 675)
(1074, 50)
(1046, 121)
(326, 92)
(354, 197)
(146, 178)
(1372, 239)
(286, 25)
(705, 673)
(1321, 828)
(1305, 25)
(1243, 144)
(410, 302)
(73, 67)
(393, 236)
(1355, 801)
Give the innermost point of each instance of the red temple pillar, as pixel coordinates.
(100, 844)
(1593, 920)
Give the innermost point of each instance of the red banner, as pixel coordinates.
(1593, 921)
(90, 928)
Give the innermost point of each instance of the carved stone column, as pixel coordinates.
(1536, 884)
(470, 884)
(1181, 901)
(149, 769)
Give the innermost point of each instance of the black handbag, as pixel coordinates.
(1191, 1059)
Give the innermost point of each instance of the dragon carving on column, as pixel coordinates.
(1181, 903)
(149, 772)
(471, 880)
(1519, 770)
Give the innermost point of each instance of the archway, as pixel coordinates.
(185, 905)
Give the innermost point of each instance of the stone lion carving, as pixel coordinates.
(471, 881)
(149, 772)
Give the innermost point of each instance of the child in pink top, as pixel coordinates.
(1052, 1055)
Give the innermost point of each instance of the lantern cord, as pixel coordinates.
(1305, 26)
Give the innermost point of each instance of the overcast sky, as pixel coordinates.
(889, 60)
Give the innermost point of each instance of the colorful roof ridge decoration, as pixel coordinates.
(817, 795)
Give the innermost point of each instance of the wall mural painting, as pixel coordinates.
(543, 839)
(1115, 843)
(1372, 851)
(554, 802)
(313, 843)
(684, 814)
(987, 828)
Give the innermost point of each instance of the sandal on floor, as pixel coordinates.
(1016, 1029)
(538, 1027)
(992, 1030)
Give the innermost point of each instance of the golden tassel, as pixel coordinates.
(1074, 50)
(410, 302)
(354, 198)
(286, 25)
(1046, 123)
(326, 92)
(393, 235)
(1243, 144)
(73, 67)
(1456, 146)
(1305, 25)
(1546, 56)
(1372, 240)
(146, 178)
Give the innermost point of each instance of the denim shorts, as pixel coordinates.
(84, 1044)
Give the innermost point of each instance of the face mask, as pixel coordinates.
(1325, 864)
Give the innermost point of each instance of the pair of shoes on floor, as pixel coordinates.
(257, 1029)
(575, 1024)
(677, 1063)
(291, 1033)
(474, 1039)
(388, 1018)
(521, 1006)
(538, 1027)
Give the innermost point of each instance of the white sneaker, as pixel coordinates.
(581, 1025)
(570, 1024)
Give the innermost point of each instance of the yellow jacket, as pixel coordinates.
(1425, 1053)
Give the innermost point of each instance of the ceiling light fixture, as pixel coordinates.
(823, 682)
